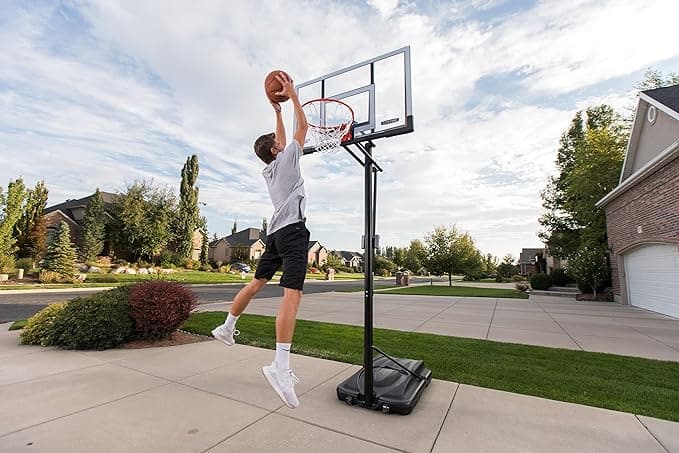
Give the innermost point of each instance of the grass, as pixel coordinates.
(18, 325)
(464, 291)
(628, 384)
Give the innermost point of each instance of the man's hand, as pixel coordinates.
(288, 86)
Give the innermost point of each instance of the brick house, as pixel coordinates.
(248, 243)
(642, 212)
(317, 253)
(527, 260)
(73, 211)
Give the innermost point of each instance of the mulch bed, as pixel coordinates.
(176, 338)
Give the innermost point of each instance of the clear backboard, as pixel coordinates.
(378, 91)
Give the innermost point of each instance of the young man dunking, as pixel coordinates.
(286, 244)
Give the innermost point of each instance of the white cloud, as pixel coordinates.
(139, 86)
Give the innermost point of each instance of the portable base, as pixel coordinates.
(395, 390)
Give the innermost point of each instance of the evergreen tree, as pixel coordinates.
(265, 225)
(31, 229)
(94, 228)
(10, 213)
(188, 214)
(235, 227)
(60, 256)
(204, 248)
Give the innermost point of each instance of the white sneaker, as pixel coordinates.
(283, 382)
(225, 335)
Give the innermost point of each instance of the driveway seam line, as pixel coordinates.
(440, 312)
(445, 417)
(292, 417)
(86, 409)
(561, 327)
(237, 432)
(491, 320)
(652, 435)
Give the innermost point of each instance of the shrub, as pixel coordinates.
(540, 281)
(522, 286)
(191, 264)
(38, 328)
(159, 307)
(54, 277)
(471, 278)
(99, 321)
(518, 278)
(205, 268)
(224, 269)
(27, 264)
(559, 277)
(590, 269)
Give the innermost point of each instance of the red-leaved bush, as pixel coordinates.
(159, 307)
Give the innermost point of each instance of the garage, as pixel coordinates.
(653, 278)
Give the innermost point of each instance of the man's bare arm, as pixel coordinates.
(280, 126)
(302, 125)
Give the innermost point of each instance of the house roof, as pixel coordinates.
(313, 243)
(244, 238)
(66, 206)
(347, 255)
(668, 96)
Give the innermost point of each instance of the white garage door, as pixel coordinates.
(653, 278)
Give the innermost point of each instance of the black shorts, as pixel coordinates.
(288, 247)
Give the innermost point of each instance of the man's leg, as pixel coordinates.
(245, 295)
(287, 315)
(227, 331)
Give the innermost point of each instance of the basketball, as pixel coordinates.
(273, 86)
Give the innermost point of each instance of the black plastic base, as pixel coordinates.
(394, 389)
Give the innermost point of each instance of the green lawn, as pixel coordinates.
(628, 384)
(464, 291)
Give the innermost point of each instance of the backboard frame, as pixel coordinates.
(367, 129)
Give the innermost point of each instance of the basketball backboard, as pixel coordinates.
(378, 91)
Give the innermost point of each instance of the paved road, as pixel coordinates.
(19, 306)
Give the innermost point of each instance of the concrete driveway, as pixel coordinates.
(205, 397)
(542, 320)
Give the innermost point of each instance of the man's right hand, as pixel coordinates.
(288, 86)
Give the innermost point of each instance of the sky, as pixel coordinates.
(103, 93)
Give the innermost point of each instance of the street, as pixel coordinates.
(20, 306)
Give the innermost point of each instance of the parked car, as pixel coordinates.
(240, 267)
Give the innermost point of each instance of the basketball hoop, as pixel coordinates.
(330, 123)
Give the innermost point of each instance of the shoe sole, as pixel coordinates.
(220, 338)
(271, 381)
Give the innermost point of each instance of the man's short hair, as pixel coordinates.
(263, 147)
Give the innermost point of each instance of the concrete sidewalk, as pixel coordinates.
(542, 320)
(205, 397)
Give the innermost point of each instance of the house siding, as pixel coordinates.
(653, 205)
(653, 137)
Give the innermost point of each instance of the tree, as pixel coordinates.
(10, 213)
(382, 265)
(334, 261)
(188, 214)
(415, 255)
(589, 268)
(449, 252)
(265, 225)
(489, 264)
(234, 229)
(589, 161)
(94, 228)
(142, 220)
(507, 268)
(399, 256)
(31, 229)
(205, 245)
(60, 256)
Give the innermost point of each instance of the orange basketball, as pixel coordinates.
(273, 86)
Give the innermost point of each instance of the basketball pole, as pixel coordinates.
(368, 271)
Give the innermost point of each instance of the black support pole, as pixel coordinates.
(369, 244)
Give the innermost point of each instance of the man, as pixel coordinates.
(286, 244)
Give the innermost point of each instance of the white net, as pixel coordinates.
(329, 123)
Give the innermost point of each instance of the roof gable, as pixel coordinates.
(666, 102)
(244, 238)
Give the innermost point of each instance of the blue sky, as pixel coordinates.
(99, 94)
